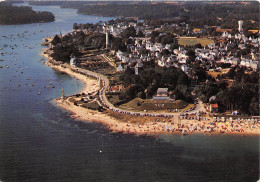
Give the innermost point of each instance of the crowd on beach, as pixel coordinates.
(186, 126)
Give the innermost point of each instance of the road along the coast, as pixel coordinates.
(104, 84)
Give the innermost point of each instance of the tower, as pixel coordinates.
(107, 40)
(240, 25)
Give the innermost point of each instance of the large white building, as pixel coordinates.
(162, 93)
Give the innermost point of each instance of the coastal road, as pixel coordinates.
(102, 95)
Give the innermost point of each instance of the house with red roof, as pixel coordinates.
(213, 108)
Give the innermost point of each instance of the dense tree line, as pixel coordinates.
(196, 14)
(153, 77)
(24, 14)
(242, 95)
(64, 46)
(133, 10)
(77, 4)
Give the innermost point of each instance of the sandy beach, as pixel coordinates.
(153, 128)
(150, 127)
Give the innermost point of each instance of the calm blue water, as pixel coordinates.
(39, 142)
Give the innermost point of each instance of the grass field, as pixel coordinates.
(114, 99)
(193, 41)
(150, 104)
(90, 105)
(93, 105)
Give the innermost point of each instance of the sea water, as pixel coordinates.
(40, 142)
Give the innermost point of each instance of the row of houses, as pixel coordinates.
(243, 62)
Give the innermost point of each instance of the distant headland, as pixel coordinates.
(10, 14)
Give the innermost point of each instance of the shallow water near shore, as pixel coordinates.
(40, 142)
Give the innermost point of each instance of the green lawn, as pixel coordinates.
(93, 105)
(150, 104)
(113, 99)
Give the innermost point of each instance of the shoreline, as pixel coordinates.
(116, 126)
(150, 128)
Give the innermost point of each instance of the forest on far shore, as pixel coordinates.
(195, 13)
(10, 14)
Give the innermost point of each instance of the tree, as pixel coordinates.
(140, 34)
(56, 40)
(75, 26)
(198, 46)
(254, 107)
(154, 34)
(167, 39)
(165, 52)
(191, 55)
(128, 32)
(118, 44)
(151, 79)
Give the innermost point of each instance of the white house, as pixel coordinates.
(176, 51)
(182, 61)
(150, 46)
(121, 67)
(254, 65)
(120, 54)
(235, 61)
(242, 63)
(125, 59)
(161, 63)
(225, 34)
(184, 68)
(157, 54)
(167, 46)
(158, 47)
